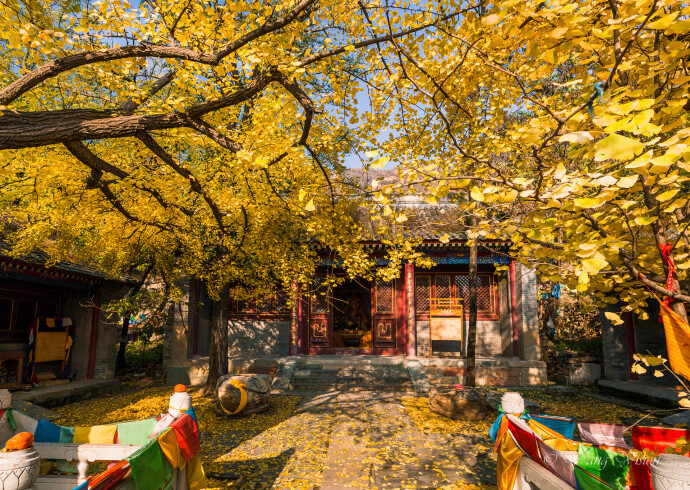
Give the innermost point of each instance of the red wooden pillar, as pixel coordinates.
(302, 326)
(410, 309)
(513, 308)
(95, 315)
(401, 306)
(294, 320)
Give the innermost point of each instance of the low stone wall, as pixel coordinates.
(440, 371)
(489, 372)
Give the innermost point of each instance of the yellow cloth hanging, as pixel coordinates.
(98, 434)
(168, 443)
(551, 437)
(509, 455)
(196, 478)
(677, 341)
(501, 430)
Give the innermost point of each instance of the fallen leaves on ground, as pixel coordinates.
(294, 444)
(219, 434)
(582, 407)
(430, 422)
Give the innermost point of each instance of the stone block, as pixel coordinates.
(459, 405)
(583, 374)
(678, 418)
(534, 376)
(453, 371)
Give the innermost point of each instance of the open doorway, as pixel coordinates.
(352, 315)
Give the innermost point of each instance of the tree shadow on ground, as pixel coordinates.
(257, 473)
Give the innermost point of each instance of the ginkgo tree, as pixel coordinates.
(562, 125)
(208, 134)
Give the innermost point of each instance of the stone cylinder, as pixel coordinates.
(512, 402)
(671, 471)
(19, 469)
(229, 395)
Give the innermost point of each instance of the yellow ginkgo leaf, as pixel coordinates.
(617, 147)
(310, 206)
(628, 181)
(588, 202)
(613, 318)
(477, 194)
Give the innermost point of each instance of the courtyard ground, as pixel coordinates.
(342, 439)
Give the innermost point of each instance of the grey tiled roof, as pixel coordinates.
(41, 259)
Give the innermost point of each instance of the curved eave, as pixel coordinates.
(22, 267)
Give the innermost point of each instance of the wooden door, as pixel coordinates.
(320, 315)
(384, 317)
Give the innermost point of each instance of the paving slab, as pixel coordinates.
(352, 440)
(33, 411)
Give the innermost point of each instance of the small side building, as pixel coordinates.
(31, 289)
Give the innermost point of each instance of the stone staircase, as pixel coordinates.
(313, 375)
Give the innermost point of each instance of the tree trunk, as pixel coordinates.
(218, 359)
(470, 372)
(121, 363)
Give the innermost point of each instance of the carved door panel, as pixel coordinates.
(320, 315)
(384, 317)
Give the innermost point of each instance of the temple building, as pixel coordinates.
(421, 315)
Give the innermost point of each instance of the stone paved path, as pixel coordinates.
(359, 440)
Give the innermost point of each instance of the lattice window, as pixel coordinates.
(422, 293)
(384, 296)
(442, 286)
(484, 298)
(319, 298)
(273, 304)
(281, 301)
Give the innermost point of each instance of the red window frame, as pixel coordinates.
(271, 306)
(482, 314)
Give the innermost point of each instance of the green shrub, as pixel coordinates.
(144, 356)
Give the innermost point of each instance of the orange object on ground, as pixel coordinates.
(677, 341)
(23, 440)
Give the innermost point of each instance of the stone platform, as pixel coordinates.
(361, 372)
(653, 394)
(50, 396)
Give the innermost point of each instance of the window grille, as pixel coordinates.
(422, 293)
(384, 296)
(460, 289)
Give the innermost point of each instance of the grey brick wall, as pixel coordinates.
(79, 310)
(258, 337)
(614, 340)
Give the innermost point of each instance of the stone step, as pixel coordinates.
(407, 387)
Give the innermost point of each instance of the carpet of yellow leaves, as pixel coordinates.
(430, 422)
(251, 451)
(142, 402)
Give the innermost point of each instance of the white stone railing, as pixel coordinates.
(531, 475)
(83, 454)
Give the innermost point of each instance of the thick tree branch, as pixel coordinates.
(15, 89)
(195, 185)
(33, 129)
